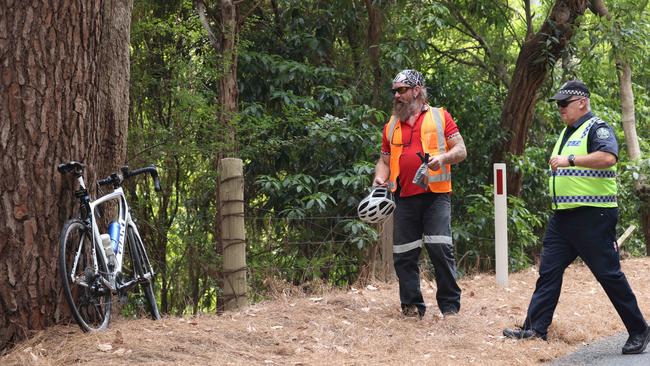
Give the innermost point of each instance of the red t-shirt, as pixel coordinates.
(409, 161)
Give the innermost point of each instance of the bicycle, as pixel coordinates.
(94, 267)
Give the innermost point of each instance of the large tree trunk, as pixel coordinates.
(63, 96)
(627, 110)
(641, 186)
(537, 56)
(375, 21)
(228, 91)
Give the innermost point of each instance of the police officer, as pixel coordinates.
(583, 190)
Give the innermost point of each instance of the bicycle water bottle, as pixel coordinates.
(108, 249)
(114, 233)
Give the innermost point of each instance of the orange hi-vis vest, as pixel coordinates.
(432, 134)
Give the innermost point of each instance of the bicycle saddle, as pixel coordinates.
(72, 166)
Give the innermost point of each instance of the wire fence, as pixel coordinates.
(330, 246)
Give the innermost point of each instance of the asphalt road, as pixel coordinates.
(605, 352)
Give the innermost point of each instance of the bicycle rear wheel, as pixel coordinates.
(143, 270)
(82, 270)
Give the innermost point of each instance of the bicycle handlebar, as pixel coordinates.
(116, 180)
(150, 169)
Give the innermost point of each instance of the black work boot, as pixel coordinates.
(411, 311)
(637, 343)
(519, 333)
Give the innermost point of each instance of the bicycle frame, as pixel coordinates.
(124, 219)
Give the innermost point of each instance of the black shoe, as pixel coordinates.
(637, 343)
(411, 311)
(523, 334)
(450, 312)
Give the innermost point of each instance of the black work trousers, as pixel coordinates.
(425, 219)
(588, 232)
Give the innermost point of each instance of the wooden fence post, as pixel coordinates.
(233, 233)
(387, 269)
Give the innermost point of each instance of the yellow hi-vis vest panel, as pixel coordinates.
(432, 135)
(577, 186)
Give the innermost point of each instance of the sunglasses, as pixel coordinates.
(401, 89)
(403, 144)
(565, 103)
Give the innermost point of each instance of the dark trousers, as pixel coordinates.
(588, 232)
(419, 220)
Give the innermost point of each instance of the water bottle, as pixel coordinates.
(108, 249)
(114, 234)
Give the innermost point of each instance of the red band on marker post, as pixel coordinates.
(499, 181)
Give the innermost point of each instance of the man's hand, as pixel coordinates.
(435, 162)
(379, 182)
(558, 162)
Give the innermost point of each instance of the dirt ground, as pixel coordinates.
(358, 326)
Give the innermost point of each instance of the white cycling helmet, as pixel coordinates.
(377, 206)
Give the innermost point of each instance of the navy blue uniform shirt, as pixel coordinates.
(601, 136)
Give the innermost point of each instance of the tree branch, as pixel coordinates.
(529, 20)
(201, 10)
(472, 33)
(451, 54)
(248, 13)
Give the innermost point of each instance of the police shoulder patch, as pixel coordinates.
(602, 133)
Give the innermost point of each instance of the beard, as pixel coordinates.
(403, 110)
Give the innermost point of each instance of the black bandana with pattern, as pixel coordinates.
(411, 78)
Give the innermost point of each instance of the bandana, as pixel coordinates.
(411, 78)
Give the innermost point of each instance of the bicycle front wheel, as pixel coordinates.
(82, 271)
(143, 270)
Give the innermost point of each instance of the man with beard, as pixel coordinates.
(423, 215)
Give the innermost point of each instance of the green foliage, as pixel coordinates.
(476, 232)
(308, 171)
(171, 125)
(631, 174)
(309, 137)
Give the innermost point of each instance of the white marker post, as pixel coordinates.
(501, 224)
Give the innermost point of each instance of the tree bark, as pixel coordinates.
(641, 187)
(538, 54)
(64, 86)
(228, 91)
(374, 52)
(627, 110)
